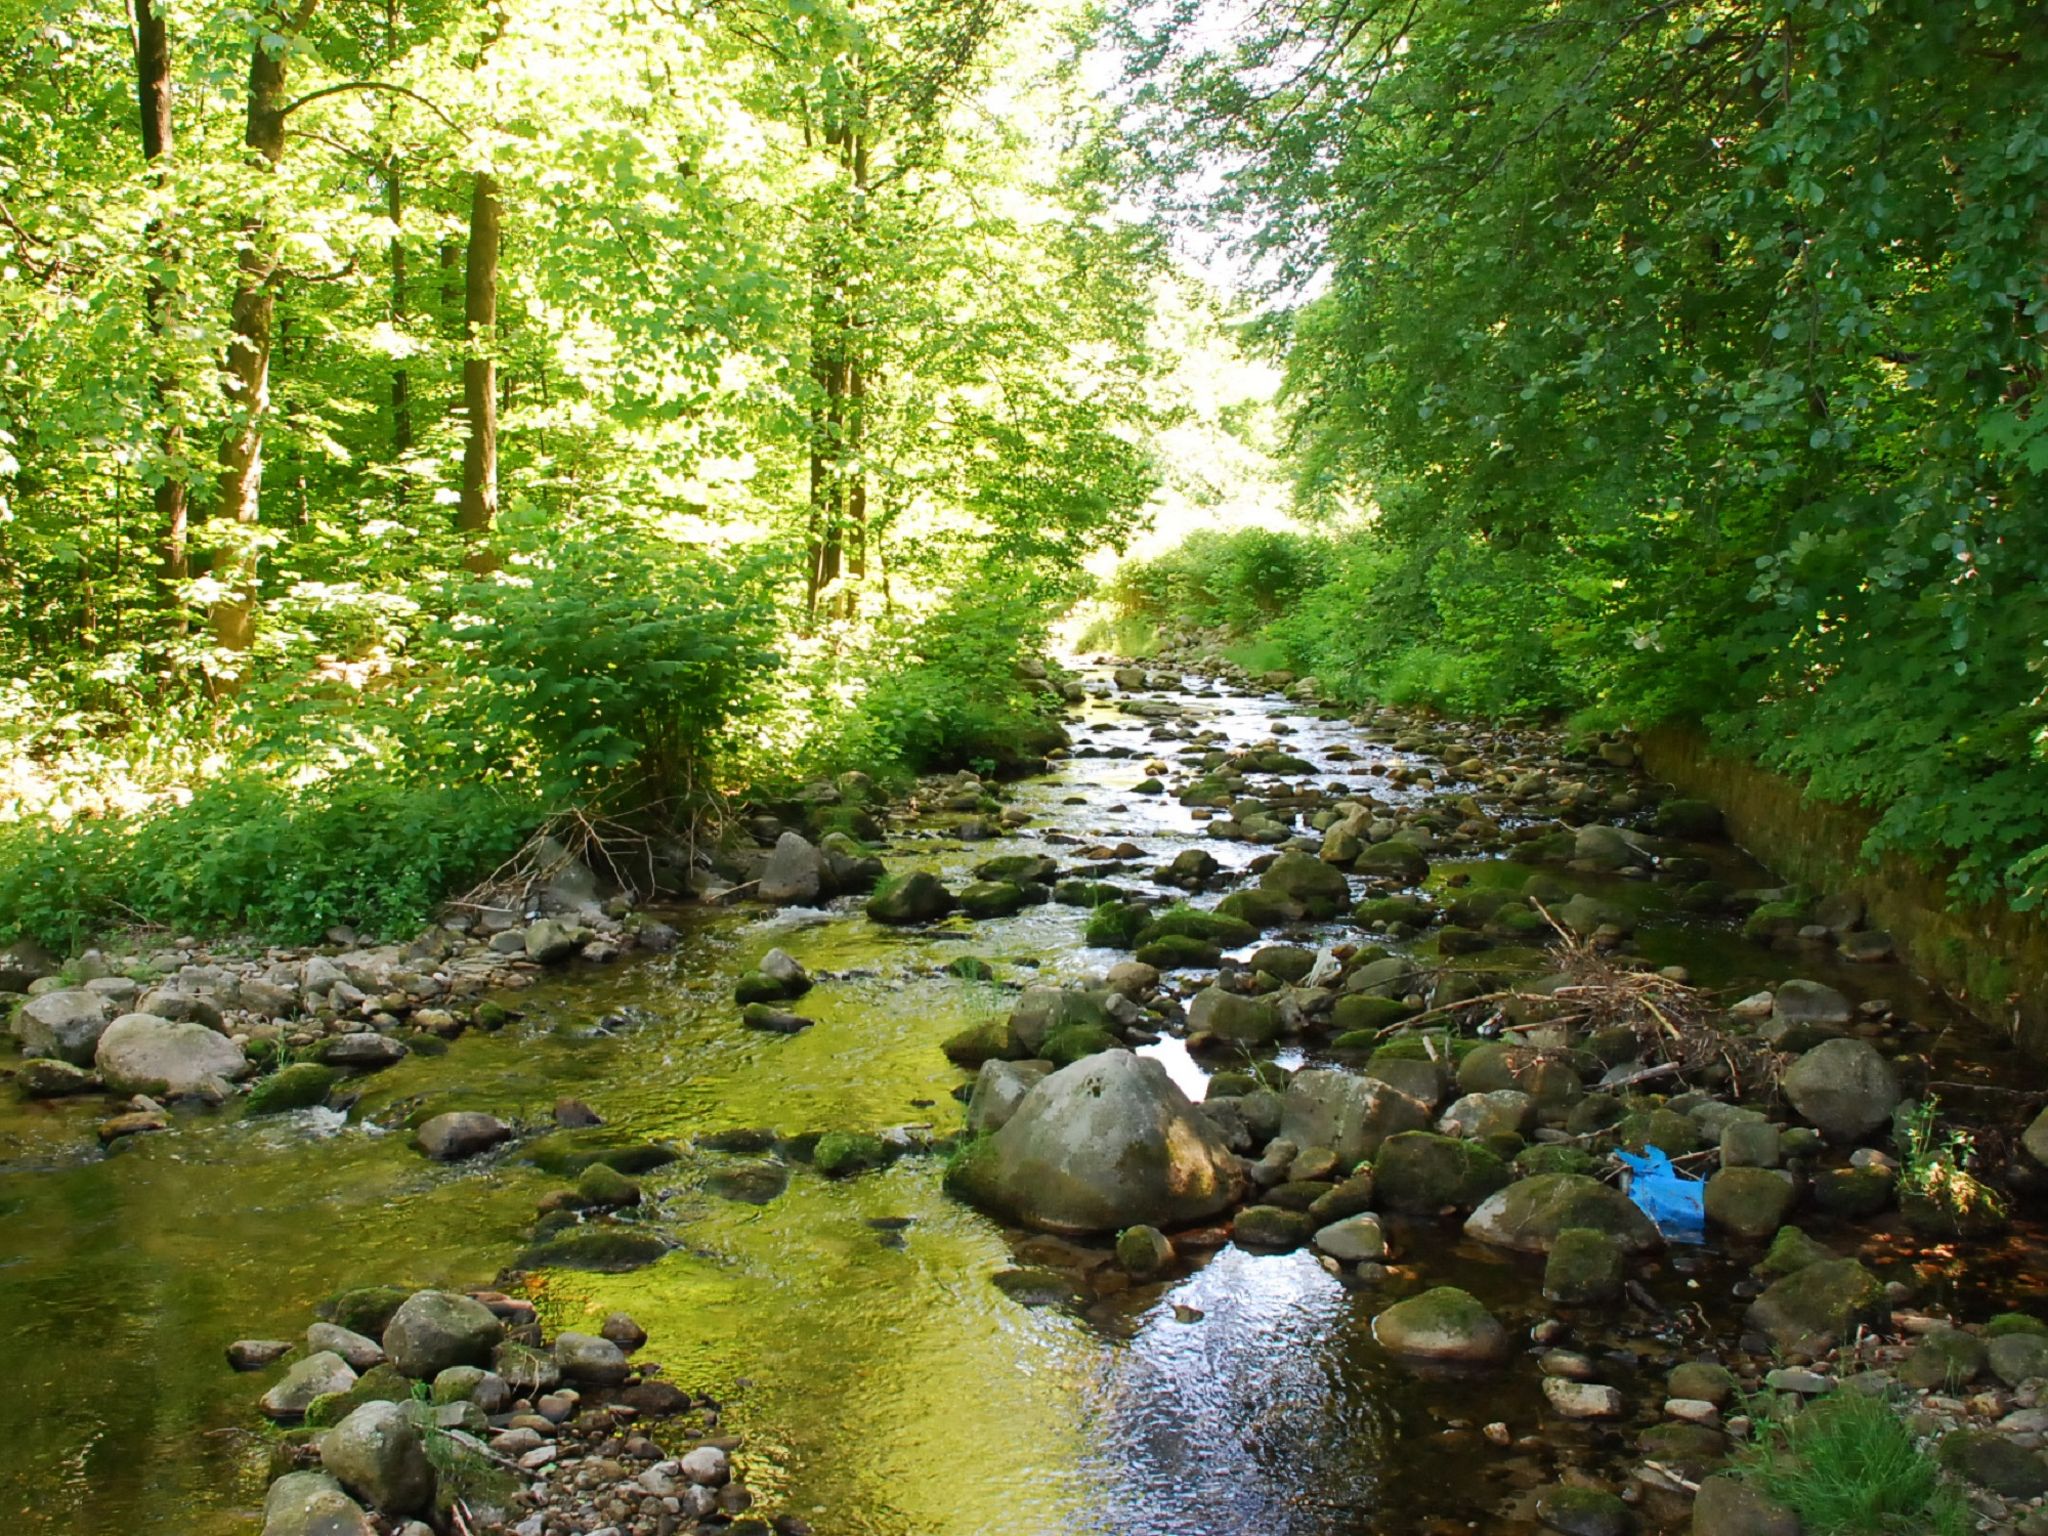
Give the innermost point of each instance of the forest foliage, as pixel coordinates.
(1654, 362)
(416, 417)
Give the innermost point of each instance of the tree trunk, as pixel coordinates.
(247, 376)
(479, 368)
(153, 96)
(401, 377)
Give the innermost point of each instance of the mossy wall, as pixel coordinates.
(1989, 958)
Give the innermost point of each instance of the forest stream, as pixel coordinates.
(882, 1384)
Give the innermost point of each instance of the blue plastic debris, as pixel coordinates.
(1677, 1204)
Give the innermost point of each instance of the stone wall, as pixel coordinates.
(1991, 959)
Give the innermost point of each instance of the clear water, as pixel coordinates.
(884, 1387)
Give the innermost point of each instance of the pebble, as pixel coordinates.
(1582, 1399)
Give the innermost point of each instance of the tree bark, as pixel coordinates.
(479, 508)
(247, 375)
(153, 97)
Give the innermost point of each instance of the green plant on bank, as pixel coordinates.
(1848, 1465)
(1934, 1165)
(461, 1474)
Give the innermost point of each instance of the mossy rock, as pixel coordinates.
(1693, 1450)
(1272, 1228)
(992, 898)
(1289, 963)
(1666, 1129)
(1356, 1011)
(1772, 916)
(1193, 923)
(1415, 1046)
(917, 897)
(970, 968)
(1791, 1250)
(1583, 1511)
(1945, 1360)
(1420, 1173)
(1586, 1266)
(1115, 925)
(990, 1040)
(365, 1310)
(754, 987)
(842, 1154)
(597, 1249)
(1262, 909)
(1398, 862)
(1702, 1382)
(1444, 1325)
(1018, 869)
(1550, 1157)
(382, 1383)
(1820, 1305)
(301, 1085)
(565, 1154)
(1144, 1253)
(1987, 1458)
(1068, 1043)
(1231, 1084)
(1089, 893)
(603, 1186)
(1394, 911)
(2014, 1322)
(1178, 952)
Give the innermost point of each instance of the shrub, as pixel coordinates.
(1849, 1466)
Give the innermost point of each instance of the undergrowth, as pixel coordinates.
(1848, 1465)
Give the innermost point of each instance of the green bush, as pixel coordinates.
(1848, 1465)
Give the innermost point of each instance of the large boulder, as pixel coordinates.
(1820, 1305)
(1529, 1215)
(1107, 1143)
(141, 1053)
(1751, 1203)
(378, 1454)
(1308, 883)
(315, 1376)
(433, 1330)
(998, 1089)
(1444, 1325)
(591, 1361)
(1844, 1088)
(794, 874)
(311, 1504)
(918, 897)
(1349, 1115)
(63, 1025)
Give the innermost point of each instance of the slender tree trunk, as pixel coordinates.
(247, 376)
(401, 376)
(153, 96)
(479, 368)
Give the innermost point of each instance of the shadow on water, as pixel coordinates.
(849, 1328)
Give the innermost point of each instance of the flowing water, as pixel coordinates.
(884, 1386)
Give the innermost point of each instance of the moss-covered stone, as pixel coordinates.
(365, 1309)
(1750, 1203)
(1443, 1325)
(992, 898)
(1819, 1305)
(567, 1153)
(1115, 925)
(1356, 1012)
(1945, 1360)
(301, 1085)
(1306, 882)
(1144, 1253)
(842, 1154)
(384, 1383)
(990, 1040)
(604, 1187)
(1260, 908)
(1177, 952)
(1068, 1043)
(1529, 1215)
(1674, 1134)
(1217, 928)
(1552, 1157)
(1702, 1382)
(1421, 1173)
(1585, 1267)
(1791, 1250)
(2014, 1322)
(1272, 1228)
(917, 897)
(597, 1248)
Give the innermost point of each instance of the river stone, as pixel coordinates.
(589, 1360)
(999, 1088)
(2017, 1357)
(1751, 1144)
(918, 897)
(1444, 1325)
(300, 1085)
(378, 1454)
(1419, 1173)
(1582, 1399)
(140, 1053)
(1751, 1203)
(1819, 1305)
(1609, 847)
(311, 1504)
(1143, 1252)
(1702, 1381)
(63, 1025)
(436, 1329)
(362, 1050)
(360, 1352)
(459, 1134)
(1233, 1017)
(1527, 1216)
(1354, 1240)
(1350, 1115)
(1989, 1459)
(1726, 1507)
(1272, 1228)
(1572, 1511)
(1944, 1360)
(1585, 1266)
(1844, 1088)
(47, 1078)
(1042, 1012)
(24, 963)
(528, 1371)
(1422, 1081)
(1308, 883)
(1396, 861)
(2035, 1138)
(1104, 1144)
(549, 942)
(794, 874)
(315, 1376)
(1482, 1116)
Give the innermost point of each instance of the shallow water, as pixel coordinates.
(884, 1386)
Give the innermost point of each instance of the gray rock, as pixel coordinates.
(1574, 1511)
(1820, 1304)
(1354, 1240)
(1582, 1399)
(166, 1058)
(549, 942)
(42, 1077)
(1810, 1002)
(311, 1504)
(255, 1354)
(998, 1089)
(65, 1026)
(1107, 1143)
(2018, 1357)
(1527, 1216)
(378, 1454)
(361, 1051)
(1233, 1017)
(1504, 1112)
(1750, 1144)
(1752, 1203)
(794, 874)
(433, 1330)
(1350, 1115)
(23, 963)
(2035, 1140)
(707, 1466)
(361, 1353)
(314, 1376)
(459, 1134)
(1725, 1507)
(1844, 1088)
(591, 1361)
